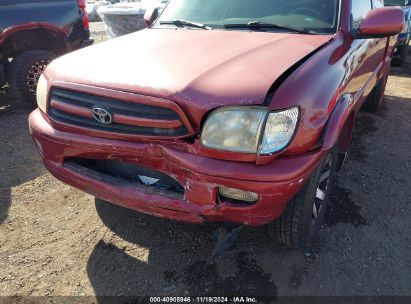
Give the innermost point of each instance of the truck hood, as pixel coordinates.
(198, 69)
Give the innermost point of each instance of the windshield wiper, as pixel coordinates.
(179, 22)
(259, 25)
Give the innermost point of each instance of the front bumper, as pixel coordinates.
(276, 183)
(87, 42)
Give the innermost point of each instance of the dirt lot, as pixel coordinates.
(54, 240)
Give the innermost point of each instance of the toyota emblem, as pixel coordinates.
(102, 115)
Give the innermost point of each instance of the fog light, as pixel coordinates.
(238, 195)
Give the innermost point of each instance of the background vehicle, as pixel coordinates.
(34, 32)
(404, 37)
(207, 128)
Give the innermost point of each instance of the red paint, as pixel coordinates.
(200, 176)
(220, 70)
(337, 121)
(82, 5)
(150, 16)
(143, 122)
(71, 109)
(195, 72)
(382, 21)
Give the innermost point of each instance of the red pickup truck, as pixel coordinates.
(221, 111)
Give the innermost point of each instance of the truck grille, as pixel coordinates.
(130, 118)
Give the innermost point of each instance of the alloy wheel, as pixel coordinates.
(34, 74)
(322, 191)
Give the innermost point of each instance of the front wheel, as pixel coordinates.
(25, 72)
(300, 223)
(374, 101)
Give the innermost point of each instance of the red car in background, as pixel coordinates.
(221, 111)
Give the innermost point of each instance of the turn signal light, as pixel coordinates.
(238, 195)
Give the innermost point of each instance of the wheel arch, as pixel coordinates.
(340, 126)
(41, 36)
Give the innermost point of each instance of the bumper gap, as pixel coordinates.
(127, 174)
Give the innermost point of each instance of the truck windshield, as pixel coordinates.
(396, 2)
(319, 16)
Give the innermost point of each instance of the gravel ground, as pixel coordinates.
(55, 240)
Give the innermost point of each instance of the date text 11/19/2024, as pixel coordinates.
(187, 299)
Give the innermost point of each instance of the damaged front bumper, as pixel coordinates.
(275, 183)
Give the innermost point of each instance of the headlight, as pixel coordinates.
(279, 130)
(234, 129)
(241, 129)
(41, 94)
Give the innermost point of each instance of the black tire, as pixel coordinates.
(399, 61)
(375, 99)
(298, 227)
(25, 71)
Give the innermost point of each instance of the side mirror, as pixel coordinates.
(150, 16)
(381, 22)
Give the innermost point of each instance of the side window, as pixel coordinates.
(378, 3)
(360, 8)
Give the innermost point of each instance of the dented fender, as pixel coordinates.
(336, 126)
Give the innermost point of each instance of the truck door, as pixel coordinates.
(366, 54)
